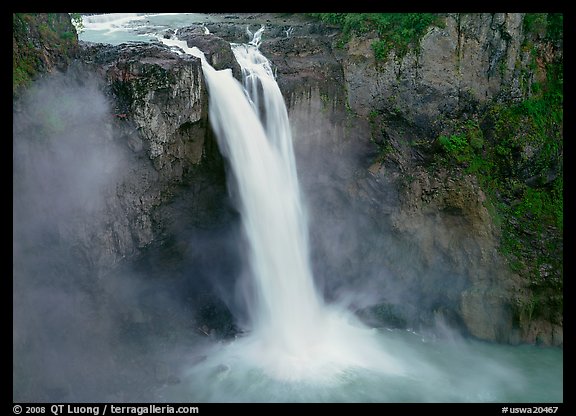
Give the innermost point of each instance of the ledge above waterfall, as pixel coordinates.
(217, 50)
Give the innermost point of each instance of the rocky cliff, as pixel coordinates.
(455, 75)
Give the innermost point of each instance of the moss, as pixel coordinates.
(40, 40)
(453, 144)
(515, 151)
(535, 23)
(549, 26)
(397, 32)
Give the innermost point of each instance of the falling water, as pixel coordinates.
(294, 335)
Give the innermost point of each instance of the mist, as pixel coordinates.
(92, 319)
(359, 260)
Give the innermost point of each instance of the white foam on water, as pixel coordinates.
(110, 22)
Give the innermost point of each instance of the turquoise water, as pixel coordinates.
(435, 371)
(136, 27)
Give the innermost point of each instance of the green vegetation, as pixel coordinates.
(77, 21)
(39, 39)
(520, 170)
(384, 146)
(544, 25)
(535, 23)
(396, 31)
(455, 144)
(515, 150)
(555, 26)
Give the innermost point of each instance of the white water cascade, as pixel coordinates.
(294, 334)
(110, 22)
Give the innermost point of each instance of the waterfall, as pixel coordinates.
(272, 212)
(294, 335)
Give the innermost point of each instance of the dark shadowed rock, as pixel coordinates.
(161, 95)
(217, 51)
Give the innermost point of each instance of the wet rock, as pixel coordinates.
(161, 96)
(217, 50)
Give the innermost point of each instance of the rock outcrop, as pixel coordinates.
(457, 70)
(160, 103)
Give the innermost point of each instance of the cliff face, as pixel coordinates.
(457, 72)
(472, 59)
(157, 122)
(160, 103)
(469, 61)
